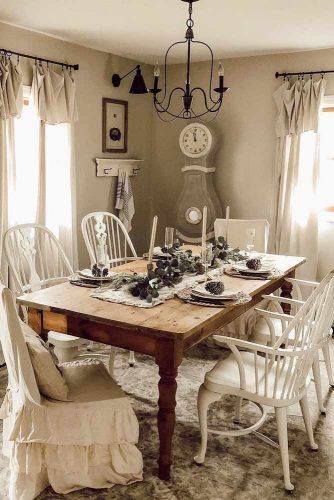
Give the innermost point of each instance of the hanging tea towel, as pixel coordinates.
(124, 199)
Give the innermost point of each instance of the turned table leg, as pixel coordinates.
(168, 358)
(286, 292)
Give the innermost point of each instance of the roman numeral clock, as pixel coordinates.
(196, 143)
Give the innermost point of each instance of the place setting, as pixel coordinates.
(254, 268)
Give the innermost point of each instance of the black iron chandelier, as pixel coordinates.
(165, 105)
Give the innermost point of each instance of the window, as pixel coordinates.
(40, 149)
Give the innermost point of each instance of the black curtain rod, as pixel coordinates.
(302, 73)
(8, 53)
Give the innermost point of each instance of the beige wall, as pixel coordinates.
(244, 131)
(94, 82)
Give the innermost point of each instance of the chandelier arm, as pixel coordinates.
(170, 98)
(162, 110)
(211, 71)
(209, 120)
(165, 71)
(174, 117)
(215, 103)
(213, 109)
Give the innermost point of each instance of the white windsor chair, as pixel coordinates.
(275, 322)
(36, 261)
(104, 230)
(276, 376)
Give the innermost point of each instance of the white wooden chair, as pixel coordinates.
(276, 376)
(37, 260)
(237, 232)
(88, 440)
(105, 230)
(273, 324)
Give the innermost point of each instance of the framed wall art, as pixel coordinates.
(114, 126)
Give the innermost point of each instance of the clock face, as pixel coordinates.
(195, 140)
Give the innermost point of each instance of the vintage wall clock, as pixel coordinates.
(196, 143)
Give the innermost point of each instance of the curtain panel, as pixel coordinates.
(54, 95)
(297, 170)
(54, 98)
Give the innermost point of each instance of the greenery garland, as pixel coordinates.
(170, 269)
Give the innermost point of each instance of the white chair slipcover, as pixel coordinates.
(237, 232)
(88, 441)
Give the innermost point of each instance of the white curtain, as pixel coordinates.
(50, 192)
(54, 96)
(11, 102)
(297, 170)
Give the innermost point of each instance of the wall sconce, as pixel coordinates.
(138, 85)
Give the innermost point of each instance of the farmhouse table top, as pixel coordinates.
(172, 319)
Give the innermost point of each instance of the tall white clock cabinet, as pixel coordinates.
(197, 144)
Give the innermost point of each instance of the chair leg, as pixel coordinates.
(317, 382)
(132, 360)
(284, 447)
(112, 361)
(238, 408)
(205, 398)
(327, 358)
(307, 421)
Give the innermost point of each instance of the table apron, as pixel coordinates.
(99, 332)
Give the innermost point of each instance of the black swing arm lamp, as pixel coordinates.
(138, 85)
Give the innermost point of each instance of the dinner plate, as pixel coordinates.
(86, 274)
(201, 292)
(264, 269)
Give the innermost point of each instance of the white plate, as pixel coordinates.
(265, 268)
(200, 291)
(87, 274)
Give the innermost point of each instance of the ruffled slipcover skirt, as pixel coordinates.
(89, 441)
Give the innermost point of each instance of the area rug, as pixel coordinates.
(242, 468)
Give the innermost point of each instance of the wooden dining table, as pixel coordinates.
(165, 332)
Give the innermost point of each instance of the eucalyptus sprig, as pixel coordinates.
(223, 252)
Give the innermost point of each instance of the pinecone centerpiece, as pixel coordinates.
(254, 264)
(96, 272)
(215, 287)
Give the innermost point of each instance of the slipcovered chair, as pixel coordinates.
(88, 440)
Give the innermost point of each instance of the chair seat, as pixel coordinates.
(261, 332)
(65, 341)
(224, 377)
(88, 380)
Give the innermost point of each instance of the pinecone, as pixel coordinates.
(254, 264)
(215, 287)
